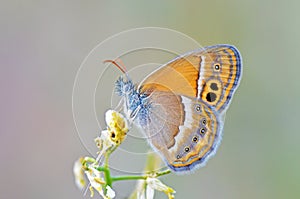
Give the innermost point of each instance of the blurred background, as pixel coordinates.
(43, 43)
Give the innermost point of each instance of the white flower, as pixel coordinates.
(149, 193)
(115, 134)
(116, 125)
(107, 142)
(141, 190)
(156, 184)
(95, 180)
(78, 173)
(113, 117)
(109, 192)
(104, 143)
(145, 188)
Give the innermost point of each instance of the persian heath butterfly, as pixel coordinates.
(181, 106)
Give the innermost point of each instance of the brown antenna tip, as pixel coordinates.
(120, 66)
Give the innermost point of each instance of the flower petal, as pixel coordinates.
(109, 192)
(149, 192)
(156, 184)
(79, 174)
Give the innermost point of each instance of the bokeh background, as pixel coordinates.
(43, 44)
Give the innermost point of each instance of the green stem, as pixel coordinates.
(101, 169)
(107, 171)
(143, 177)
(163, 173)
(119, 178)
(109, 179)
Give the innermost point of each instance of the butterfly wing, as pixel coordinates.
(185, 131)
(211, 74)
(183, 113)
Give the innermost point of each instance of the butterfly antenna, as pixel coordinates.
(119, 65)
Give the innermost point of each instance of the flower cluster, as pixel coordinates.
(97, 171)
(114, 135)
(107, 142)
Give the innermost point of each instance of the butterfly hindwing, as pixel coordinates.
(184, 130)
(199, 136)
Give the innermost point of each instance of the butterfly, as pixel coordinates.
(181, 106)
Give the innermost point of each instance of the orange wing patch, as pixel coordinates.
(180, 76)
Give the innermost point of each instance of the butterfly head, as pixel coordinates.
(124, 87)
(135, 102)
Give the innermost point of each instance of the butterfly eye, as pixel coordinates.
(195, 139)
(204, 121)
(187, 149)
(217, 66)
(178, 156)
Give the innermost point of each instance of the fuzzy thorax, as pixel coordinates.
(135, 102)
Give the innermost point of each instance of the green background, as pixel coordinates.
(44, 42)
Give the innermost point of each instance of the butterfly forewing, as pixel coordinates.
(211, 74)
(220, 73)
(180, 76)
